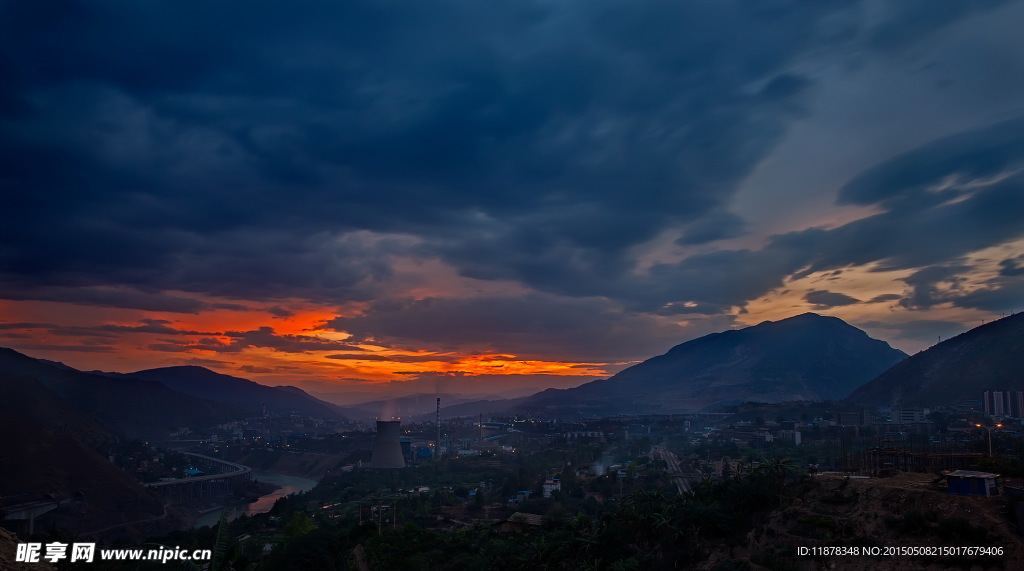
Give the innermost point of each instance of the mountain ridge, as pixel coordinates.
(130, 407)
(207, 384)
(804, 357)
(987, 357)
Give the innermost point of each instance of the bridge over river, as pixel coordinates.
(230, 478)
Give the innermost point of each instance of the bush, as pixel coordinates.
(912, 523)
(958, 528)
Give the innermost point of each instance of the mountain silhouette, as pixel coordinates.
(129, 407)
(242, 393)
(989, 357)
(807, 357)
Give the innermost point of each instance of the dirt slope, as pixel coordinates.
(907, 510)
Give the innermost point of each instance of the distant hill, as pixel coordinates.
(131, 408)
(808, 357)
(485, 407)
(53, 464)
(424, 406)
(53, 450)
(28, 400)
(989, 357)
(238, 392)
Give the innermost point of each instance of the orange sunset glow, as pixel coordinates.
(210, 338)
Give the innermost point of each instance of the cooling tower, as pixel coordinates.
(387, 448)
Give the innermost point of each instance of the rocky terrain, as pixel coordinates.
(906, 510)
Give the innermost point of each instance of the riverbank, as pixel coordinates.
(271, 487)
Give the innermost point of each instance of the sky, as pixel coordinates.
(495, 197)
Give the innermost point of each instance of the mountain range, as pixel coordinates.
(59, 421)
(959, 369)
(808, 357)
(56, 438)
(128, 407)
(59, 424)
(238, 392)
(149, 404)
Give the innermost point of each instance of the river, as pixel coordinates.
(288, 485)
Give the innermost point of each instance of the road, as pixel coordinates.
(236, 470)
(681, 476)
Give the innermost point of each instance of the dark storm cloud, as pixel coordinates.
(998, 295)
(718, 280)
(885, 297)
(230, 306)
(907, 20)
(952, 284)
(266, 337)
(149, 326)
(276, 264)
(278, 311)
(1012, 266)
(394, 358)
(263, 337)
(366, 357)
(168, 143)
(106, 297)
(940, 203)
(202, 362)
(257, 369)
(532, 326)
(109, 330)
(933, 285)
(822, 299)
(261, 151)
(942, 170)
(175, 346)
(684, 308)
(718, 226)
(931, 232)
(26, 326)
(76, 348)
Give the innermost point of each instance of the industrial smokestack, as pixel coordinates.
(387, 448)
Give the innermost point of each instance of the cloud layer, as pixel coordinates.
(571, 165)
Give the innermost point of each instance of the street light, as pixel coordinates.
(989, 429)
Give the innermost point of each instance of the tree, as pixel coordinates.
(300, 524)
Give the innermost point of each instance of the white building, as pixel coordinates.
(551, 485)
(789, 436)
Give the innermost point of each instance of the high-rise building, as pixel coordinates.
(1004, 403)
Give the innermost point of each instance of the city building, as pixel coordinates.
(551, 485)
(789, 436)
(1003, 403)
(909, 415)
